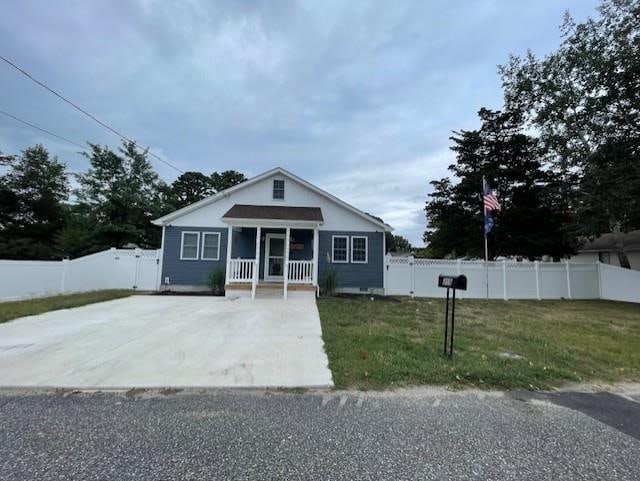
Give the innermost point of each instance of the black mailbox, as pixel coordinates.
(453, 282)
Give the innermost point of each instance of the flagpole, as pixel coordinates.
(486, 244)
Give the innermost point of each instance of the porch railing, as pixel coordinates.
(241, 270)
(300, 272)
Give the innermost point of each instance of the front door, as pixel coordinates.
(274, 257)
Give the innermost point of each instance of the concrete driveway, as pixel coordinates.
(168, 341)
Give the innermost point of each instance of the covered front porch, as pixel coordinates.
(271, 256)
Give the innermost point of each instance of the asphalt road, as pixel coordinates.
(336, 436)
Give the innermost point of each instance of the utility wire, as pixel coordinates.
(75, 106)
(48, 132)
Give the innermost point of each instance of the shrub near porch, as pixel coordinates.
(393, 342)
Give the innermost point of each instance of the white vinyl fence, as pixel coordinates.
(110, 269)
(408, 276)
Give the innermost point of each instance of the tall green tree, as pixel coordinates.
(397, 243)
(32, 192)
(584, 102)
(530, 223)
(191, 187)
(119, 195)
(225, 179)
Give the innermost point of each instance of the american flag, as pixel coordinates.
(490, 199)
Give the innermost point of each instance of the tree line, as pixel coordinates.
(563, 153)
(48, 213)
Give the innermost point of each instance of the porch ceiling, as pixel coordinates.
(274, 212)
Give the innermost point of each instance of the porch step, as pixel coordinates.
(271, 289)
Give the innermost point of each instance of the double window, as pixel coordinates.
(278, 189)
(190, 246)
(340, 253)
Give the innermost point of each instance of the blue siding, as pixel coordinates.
(369, 275)
(244, 243)
(193, 273)
(350, 275)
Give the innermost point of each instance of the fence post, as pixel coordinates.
(568, 280)
(138, 255)
(599, 272)
(63, 280)
(158, 277)
(412, 266)
(385, 273)
(504, 279)
(537, 266)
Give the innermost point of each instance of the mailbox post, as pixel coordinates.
(451, 282)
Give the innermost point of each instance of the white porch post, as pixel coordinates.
(286, 261)
(227, 271)
(256, 265)
(316, 242)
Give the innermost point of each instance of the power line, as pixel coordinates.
(80, 109)
(48, 132)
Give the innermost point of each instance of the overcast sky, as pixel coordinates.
(359, 98)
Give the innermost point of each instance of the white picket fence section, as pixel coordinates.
(409, 276)
(619, 284)
(110, 269)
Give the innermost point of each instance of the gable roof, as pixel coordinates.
(280, 212)
(278, 170)
(629, 241)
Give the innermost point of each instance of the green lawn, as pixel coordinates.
(30, 307)
(391, 342)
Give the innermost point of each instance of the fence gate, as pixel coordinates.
(400, 276)
(147, 270)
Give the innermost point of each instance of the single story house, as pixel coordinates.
(605, 248)
(273, 234)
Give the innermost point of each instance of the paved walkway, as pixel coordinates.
(168, 341)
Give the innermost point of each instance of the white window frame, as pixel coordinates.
(197, 257)
(366, 249)
(204, 237)
(273, 189)
(333, 250)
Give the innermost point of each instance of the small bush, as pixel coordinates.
(330, 283)
(216, 281)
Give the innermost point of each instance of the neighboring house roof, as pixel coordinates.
(630, 241)
(278, 170)
(243, 211)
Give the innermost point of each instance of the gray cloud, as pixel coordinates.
(357, 97)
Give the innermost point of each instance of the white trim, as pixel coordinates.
(385, 265)
(333, 240)
(287, 241)
(316, 241)
(366, 249)
(197, 257)
(278, 170)
(161, 261)
(256, 265)
(204, 236)
(227, 269)
(267, 238)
